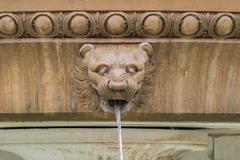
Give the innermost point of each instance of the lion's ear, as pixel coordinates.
(84, 52)
(147, 50)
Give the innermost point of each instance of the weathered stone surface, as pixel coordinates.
(189, 77)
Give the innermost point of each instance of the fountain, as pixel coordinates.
(62, 63)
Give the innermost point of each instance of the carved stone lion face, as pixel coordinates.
(116, 72)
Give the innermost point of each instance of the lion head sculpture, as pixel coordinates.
(113, 75)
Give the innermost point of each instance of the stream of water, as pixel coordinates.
(118, 119)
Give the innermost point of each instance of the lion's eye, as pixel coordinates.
(102, 70)
(131, 69)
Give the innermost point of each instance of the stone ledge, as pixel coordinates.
(129, 116)
(102, 144)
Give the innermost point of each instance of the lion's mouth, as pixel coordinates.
(117, 103)
(112, 104)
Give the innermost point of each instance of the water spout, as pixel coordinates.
(118, 119)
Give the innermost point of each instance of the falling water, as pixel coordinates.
(118, 119)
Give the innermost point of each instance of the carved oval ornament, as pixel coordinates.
(78, 24)
(223, 25)
(116, 24)
(43, 24)
(11, 26)
(189, 25)
(153, 24)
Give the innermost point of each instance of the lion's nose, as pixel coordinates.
(118, 86)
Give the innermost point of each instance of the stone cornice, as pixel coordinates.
(119, 25)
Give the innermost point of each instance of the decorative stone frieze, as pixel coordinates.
(119, 25)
